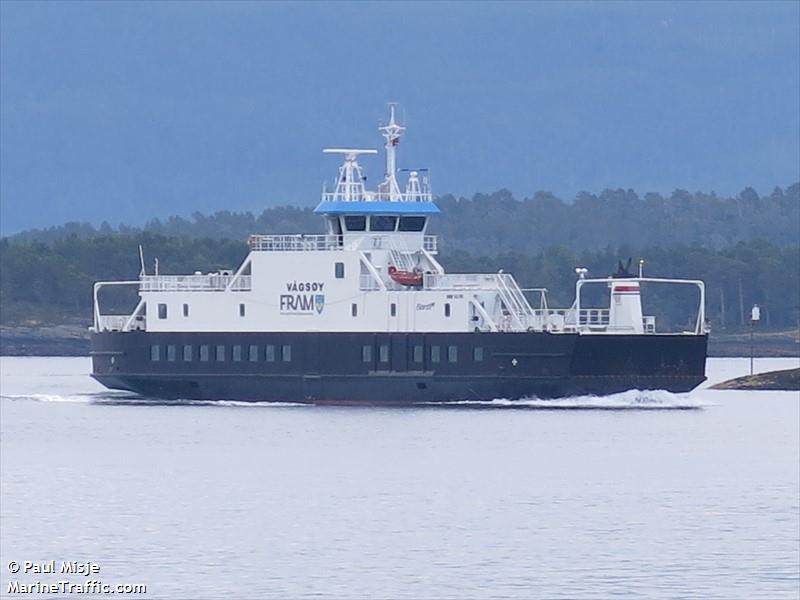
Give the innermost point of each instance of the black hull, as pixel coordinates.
(332, 367)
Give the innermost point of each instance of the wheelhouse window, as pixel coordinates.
(155, 352)
(355, 223)
(220, 355)
(253, 353)
(237, 353)
(411, 224)
(382, 223)
(452, 354)
(339, 270)
(436, 354)
(366, 354)
(162, 311)
(286, 353)
(270, 353)
(205, 352)
(187, 353)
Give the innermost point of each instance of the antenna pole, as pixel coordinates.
(142, 271)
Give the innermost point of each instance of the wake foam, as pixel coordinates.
(629, 400)
(129, 399)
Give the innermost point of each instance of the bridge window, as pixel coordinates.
(171, 352)
(366, 354)
(237, 353)
(477, 354)
(162, 311)
(241, 310)
(270, 353)
(452, 354)
(187, 353)
(185, 310)
(205, 352)
(354, 309)
(356, 223)
(446, 309)
(220, 353)
(286, 353)
(155, 352)
(384, 353)
(436, 354)
(417, 354)
(382, 223)
(411, 224)
(253, 353)
(339, 270)
(393, 309)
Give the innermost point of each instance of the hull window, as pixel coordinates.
(155, 352)
(241, 310)
(253, 353)
(162, 311)
(366, 354)
(187, 353)
(452, 354)
(286, 353)
(384, 353)
(354, 309)
(477, 354)
(417, 354)
(237, 353)
(436, 354)
(185, 310)
(205, 352)
(393, 309)
(171, 353)
(447, 309)
(220, 353)
(270, 353)
(339, 270)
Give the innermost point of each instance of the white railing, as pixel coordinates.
(431, 244)
(112, 322)
(294, 243)
(212, 282)
(377, 197)
(461, 281)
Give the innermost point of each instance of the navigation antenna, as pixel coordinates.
(392, 133)
(350, 184)
(142, 271)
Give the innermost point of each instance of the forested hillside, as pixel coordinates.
(747, 249)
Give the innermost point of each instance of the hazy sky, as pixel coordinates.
(125, 111)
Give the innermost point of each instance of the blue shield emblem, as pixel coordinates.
(319, 302)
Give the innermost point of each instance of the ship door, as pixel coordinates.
(312, 382)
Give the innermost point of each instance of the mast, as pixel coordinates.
(391, 133)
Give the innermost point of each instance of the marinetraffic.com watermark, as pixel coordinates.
(74, 577)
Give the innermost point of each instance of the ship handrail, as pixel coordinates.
(210, 282)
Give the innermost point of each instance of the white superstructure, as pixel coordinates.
(374, 270)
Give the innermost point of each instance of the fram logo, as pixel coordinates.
(299, 302)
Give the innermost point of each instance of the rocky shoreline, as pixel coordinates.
(786, 380)
(73, 340)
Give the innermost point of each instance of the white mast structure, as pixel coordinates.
(350, 184)
(388, 189)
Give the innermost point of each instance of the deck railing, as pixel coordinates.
(324, 242)
(195, 283)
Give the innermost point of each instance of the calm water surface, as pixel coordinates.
(211, 501)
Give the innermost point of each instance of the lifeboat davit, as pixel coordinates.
(410, 278)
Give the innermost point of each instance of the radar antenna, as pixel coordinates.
(350, 183)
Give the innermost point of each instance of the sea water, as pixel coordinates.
(638, 495)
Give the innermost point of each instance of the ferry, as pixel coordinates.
(366, 314)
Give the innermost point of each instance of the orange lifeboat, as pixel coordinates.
(409, 278)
